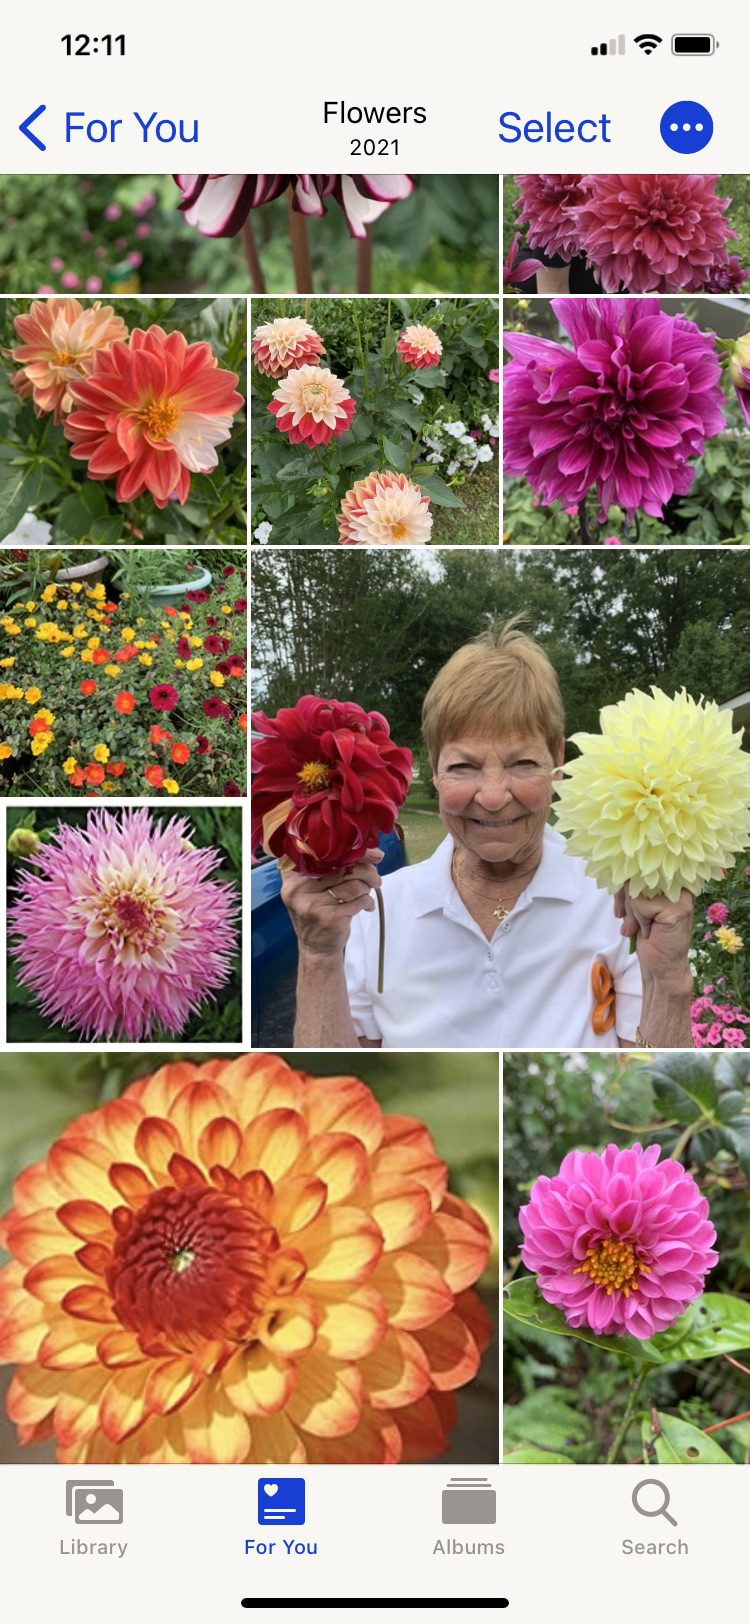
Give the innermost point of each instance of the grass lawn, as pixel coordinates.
(478, 522)
(424, 832)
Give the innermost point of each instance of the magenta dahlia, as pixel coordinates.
(218, 205)
(622, 411)
(118, 930)
(545, 206)
(652, 233)
(620, 1242)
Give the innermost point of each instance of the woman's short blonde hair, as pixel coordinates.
(500, 684)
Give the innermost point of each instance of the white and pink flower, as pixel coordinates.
(311, 405)
(384, 510)
(419, 346)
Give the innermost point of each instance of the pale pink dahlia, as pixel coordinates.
(419, 347)
(652, 233)
(621, 411)
(620, 1242)
(282, 345)
(545, 206)
(218, 205)
(118, 930)
(311, 405)
(384, 510)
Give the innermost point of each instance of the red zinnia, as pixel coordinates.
(180, 754)
(213, 645)
(329, 780)
(94, 774)
(38, 726)
(87, 688)
(158, 734)
(228, 569)
(115, 769)
(202, 745)
(100, 656)
(197, 596)
(214, 707)
(164, 697)
(124, 702)
(152, 412)
(155, 776)
(240, 606)
(231, 788)
(184, 650)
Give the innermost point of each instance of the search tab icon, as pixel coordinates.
(646, 1503)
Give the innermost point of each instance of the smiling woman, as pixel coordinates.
(500, 938)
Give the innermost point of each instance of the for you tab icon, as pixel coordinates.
(469, 1500)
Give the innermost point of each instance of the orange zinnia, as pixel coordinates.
(100, 656)
(239, 1263)
(154, 775)
(38, 726)
(159, 735)
(87, 688)
(180, 754)
(94, 774)
(124, 702)
(115, 769)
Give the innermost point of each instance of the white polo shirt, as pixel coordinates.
(445, 986)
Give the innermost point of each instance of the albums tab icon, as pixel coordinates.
(469, 1500)
(93, 1500)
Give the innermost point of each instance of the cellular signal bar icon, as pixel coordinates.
(615, 47)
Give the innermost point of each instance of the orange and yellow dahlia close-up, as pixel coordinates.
(61, 339)
(240, 1263)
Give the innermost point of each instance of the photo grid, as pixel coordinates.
(269, 1060)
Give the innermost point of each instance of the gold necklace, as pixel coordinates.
(500, 912)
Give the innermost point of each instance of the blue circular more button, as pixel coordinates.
(686, 127)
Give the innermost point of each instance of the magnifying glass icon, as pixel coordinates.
(660, 1510)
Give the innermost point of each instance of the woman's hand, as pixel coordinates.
(321, 910)
(662, 931)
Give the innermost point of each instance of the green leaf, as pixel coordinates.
(433, 486)
(547, 1419)
(397, 455)
(684, 1086)
(19, 490)
(712, 1325)
(677, 1443)
(106, 531)
(528, 1456)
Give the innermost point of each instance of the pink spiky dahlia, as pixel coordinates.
(419, 346)
(311, 405)
(622, 411)
(60, 340)
(218, 205)
(545, 206)
(384, 510)
(118, 930)
(281, 346)
(620, 1242)
(652, 233)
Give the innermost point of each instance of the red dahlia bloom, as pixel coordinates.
(218, 205)
(545, 206)
(328, 780)
(152, 412)
(164, 697)
(652, 233)
(311, 405)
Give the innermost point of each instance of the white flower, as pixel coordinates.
(417, 395)
(263, 532)
(435, 456)
(457, 429)
(484, 453)
(29, 532)
(454, 466)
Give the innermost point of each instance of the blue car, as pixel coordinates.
(274, 947)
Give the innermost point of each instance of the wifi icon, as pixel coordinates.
(647, 42)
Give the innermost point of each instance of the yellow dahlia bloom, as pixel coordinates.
(236, 1262)
(661, 798)
(728, 939)
(60, 341)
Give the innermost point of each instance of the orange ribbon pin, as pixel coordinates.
(603, 988)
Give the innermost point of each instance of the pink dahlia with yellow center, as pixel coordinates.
(419, 347)
(383, 510)
(60, 341)
(282, 345)
(311, 405)
(237, 1263)
(151, 413)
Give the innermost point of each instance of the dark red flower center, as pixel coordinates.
(192, 1265)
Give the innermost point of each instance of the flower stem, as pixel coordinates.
(364, 262)
(257, 279)
(381, 939)
(621, 1432)
(300, 246)
(585, 533)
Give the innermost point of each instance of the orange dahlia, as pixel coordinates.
(61, 340)
(237, 1262)
(151, 413)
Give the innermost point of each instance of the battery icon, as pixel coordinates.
(694, 44)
